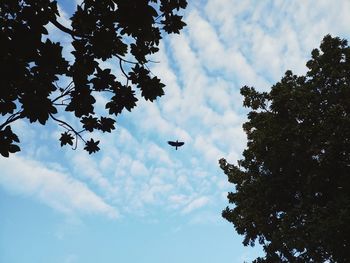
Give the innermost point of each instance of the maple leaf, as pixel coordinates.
(91, 146)
(106, 124)
(66, 138)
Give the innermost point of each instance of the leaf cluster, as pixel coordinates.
(32, 64)
(292, 185)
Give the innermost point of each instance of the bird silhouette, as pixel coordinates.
(176, 144)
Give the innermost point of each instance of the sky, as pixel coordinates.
(139, 200)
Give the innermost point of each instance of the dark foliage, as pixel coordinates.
(32, 65)
(292, 187)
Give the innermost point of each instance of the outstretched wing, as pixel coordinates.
(172, 143)
(180, 144)
(176, 144)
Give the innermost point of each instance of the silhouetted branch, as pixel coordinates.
(125, 60)
(65, 29)
(60, 104)
(65, 92)
(70, 128)
(122, 69)
(11, 119)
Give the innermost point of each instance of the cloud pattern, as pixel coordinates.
(227, 44)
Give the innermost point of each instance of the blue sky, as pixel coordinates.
(138, 200)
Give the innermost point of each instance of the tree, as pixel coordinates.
(292, 186)
(33, 66)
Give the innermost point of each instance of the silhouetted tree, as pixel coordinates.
(32, 65)
(292, 187)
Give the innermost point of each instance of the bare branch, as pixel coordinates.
(125, 60)
(65, 29)
(122, 69)
(65, 92)
(11, 119)
(70, 128)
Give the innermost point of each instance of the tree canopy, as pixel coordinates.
(33, 66)
(292, 186)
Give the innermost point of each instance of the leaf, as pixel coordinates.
(173, 24)
(91, 146)
(5, 152)
(124, 98)
(14, 148)
(106, 124)
(90, 123)
(103, 80)
(37, 106)
(152, 89)
(66, 138)
(7, 137)
(82, 102)
(6, 107)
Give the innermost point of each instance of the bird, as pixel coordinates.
(176, 144)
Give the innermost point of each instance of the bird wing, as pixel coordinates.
(176, 144)
(172, 143)
(180, 144)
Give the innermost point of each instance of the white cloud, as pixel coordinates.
(178, 200)
(183, 183)
(138, 169)
(275, 35)
(86, 167)
(196, 204)
(226, 44)
(153, 190)
(204, 145)
(54, 188)
(156, 153)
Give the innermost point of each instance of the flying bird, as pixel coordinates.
(176, 144)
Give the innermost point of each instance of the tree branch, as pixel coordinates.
(63, 123)
(11, 119)
(122, 69)
(65, 29)
(127, 61)
(65, 92)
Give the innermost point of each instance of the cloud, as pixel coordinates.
(276, 35)
(196, 204)
(54, 188)
(152, 191)
(225, 45)
(138, 169)
(86, 167)
(158, 154)
(178, 200)
(206, 146)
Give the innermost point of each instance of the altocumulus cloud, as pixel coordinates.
(196, 204)
(52, 187)
(226, 44)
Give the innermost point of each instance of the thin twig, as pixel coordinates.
(11, 119)
(69, 126)
(149, 70)
(122, 69)
(65, 92)
(60, 104)
(153, 61)
(127, 61)
(161, 15)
